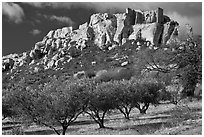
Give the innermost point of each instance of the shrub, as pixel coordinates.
(7, 109)
(17, 131)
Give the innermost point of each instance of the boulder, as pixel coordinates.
(58, 43)
(36, 54)
(50, 64)
(79, 75)
(48, 42)
(59, 61)
(62, 33)
(38, 45)
(124, 63)
(7, 64)
(66, 31)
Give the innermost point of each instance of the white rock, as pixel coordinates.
(124, 63)
(50, 34)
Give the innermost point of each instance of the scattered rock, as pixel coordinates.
(7, 64)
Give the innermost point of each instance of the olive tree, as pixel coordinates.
(125, 96)
(146, 92)
(101, 101)
(7, 105)
(57, 104)
(182, 59)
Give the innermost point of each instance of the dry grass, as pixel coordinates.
(163, 119)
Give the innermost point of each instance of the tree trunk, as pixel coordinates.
(64, 130)
(127, 116)
(97, 119)
(126, 113)
(143, 109)
(101, 123)
(64, 125)
(101, 120)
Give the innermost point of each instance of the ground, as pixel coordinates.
(164, 119)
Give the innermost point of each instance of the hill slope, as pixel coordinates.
(108, 41)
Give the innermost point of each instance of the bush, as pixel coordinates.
(17, 131)
(7, 105)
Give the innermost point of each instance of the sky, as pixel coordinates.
(25, 23)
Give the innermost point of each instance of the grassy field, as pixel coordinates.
(164, 119)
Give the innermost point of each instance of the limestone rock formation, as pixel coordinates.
(97, 45)
(7, 64)
(169, 28)
(104, 27)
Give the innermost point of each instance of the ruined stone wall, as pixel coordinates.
(149, 23)
(143, 17)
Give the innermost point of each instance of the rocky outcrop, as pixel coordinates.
(148, 32)
(104, 27)
(105, 32)
(7, 64)
(169, 28)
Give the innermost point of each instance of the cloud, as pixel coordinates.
(35, 32)
(38, 4)
(60, 19)
(13, 12)
(195, 22)
(58, 5)
(183, 8)
(183, 12)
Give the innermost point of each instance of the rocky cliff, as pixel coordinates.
(107, 41)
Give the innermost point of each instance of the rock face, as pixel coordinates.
(88, 46)
(104, 27)
(169, 28)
